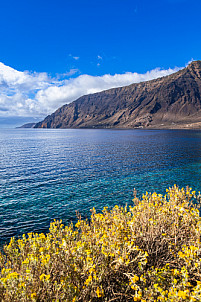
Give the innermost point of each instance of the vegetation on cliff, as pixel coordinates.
(150, 251)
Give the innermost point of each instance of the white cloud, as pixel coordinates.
(37, 94)
(189, 62)
(74, 57)
(23, 80)
(69, 73)
(99, 57)
(18, 90)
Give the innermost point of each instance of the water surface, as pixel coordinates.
(47, 173)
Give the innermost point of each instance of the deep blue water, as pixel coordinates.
(47, 174)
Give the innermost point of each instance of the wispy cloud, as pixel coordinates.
(37, 94)
(71, 72)
(99, 57)
(189, 62)
(74, 57)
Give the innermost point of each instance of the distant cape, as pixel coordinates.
(28, 125)
(173, 101)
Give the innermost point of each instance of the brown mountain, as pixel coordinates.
(173, 101)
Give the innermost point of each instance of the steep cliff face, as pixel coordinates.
(170, 102)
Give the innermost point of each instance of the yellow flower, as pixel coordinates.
(89, 279)
(99, 292)
(182, 294)
(26, 261)
(135, 279)
(136, 298)
(44, 277)
(33, 296)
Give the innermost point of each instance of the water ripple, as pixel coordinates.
(50, 174)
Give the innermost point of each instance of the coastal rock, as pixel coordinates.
(28, 125)
(173, 101)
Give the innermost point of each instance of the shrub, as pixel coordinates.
(148, 252)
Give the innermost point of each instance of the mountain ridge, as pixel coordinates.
(173, 101)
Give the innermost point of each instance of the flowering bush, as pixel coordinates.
(148, 252)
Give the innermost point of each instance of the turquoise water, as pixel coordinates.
(47, 174)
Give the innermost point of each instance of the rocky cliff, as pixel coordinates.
(173, 101)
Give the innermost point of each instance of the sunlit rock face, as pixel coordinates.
(173, 101)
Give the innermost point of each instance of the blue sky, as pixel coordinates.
(55, 44)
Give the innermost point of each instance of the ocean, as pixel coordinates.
(48, 174)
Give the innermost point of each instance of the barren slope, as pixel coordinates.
(169, 102)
